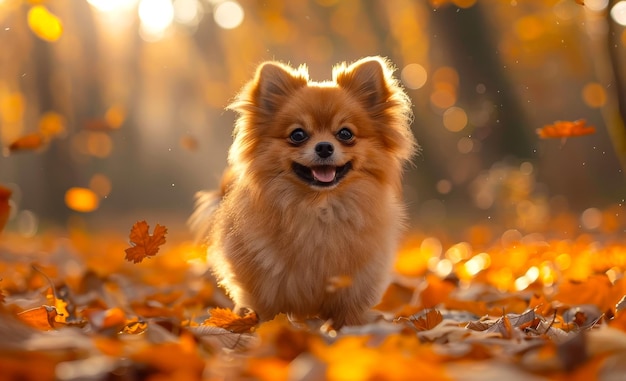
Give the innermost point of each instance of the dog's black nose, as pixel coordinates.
(324, 149)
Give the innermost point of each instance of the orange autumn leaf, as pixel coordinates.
(39, 317)
(143, 244)
(28, 142)
(565, 129)
(227, 319)
(5, 208)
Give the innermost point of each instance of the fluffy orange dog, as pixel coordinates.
(312, 193)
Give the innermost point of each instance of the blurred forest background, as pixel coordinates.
(113, 110)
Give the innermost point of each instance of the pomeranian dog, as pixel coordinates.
(310, 209)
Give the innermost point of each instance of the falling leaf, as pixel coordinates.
(565, 129)
(5, 207)
(230, 321)
(81, 199)
(28, 142)
(143, 244)
(44, 24)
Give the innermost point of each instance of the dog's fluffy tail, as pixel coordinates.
(201, 220)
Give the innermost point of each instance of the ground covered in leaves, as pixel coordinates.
(79, 305)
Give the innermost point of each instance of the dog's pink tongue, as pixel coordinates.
(324, 174)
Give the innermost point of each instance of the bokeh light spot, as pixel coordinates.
(596, 5)
(100, 184)
(44, 24)
(591, 218)
(187, 12)
(594, 95)
(228, 15)
(413, 76)
(156, 16)
(529, 28)
(51, 124)
(111, 6)
(454, 119)
(81, 199)
(444, 186)
(465, 145)
(618, 13)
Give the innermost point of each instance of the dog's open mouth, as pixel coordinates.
(322, 175)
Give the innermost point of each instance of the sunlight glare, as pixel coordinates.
(112, 6)
(156, 16)
(228, 14)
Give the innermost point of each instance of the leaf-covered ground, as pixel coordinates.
(520, 306)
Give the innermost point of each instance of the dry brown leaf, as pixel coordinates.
(230, 321)
(144, 244)
(428, 321)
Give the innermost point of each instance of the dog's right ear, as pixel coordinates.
(275, 81)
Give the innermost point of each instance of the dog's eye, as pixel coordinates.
(298, 136)
(345, 135)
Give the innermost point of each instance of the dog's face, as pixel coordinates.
(320, 136)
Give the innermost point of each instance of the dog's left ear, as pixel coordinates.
(366, 79)
(275, 82)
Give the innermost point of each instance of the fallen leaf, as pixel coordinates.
(230, 321)
(429, 320)
(565, 129)
(39, 317)
(144, 244)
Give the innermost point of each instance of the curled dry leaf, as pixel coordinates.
(144, 244)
